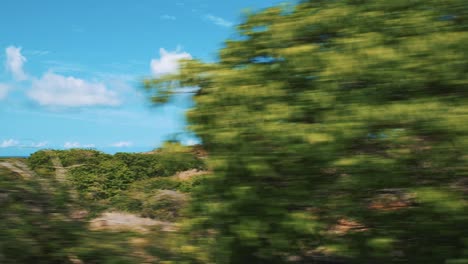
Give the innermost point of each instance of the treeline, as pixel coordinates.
(97, 175)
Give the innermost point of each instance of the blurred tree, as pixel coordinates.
(336, 129)
(34, 227)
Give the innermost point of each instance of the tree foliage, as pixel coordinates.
(335, 128)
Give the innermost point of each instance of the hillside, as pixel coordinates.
(84, 206)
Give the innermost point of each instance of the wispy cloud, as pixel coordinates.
(71, 145)
(218, 20)
(4, 89)
(167, 17)
(39, 144)
(168, 62)
(14, 63)
(122, 144)
(67, 91)
(10, 143)
(77, 145)
(38, 52)
(63, 67)
(7, 143)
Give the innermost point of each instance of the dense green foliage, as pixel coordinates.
(335, 128)
(99, 176)
(149, 197)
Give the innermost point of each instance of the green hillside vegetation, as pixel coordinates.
(37, 227)
(99, 176)
(41, 221)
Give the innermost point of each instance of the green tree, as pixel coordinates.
(336, 129)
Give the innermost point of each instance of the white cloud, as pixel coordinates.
(9, 143)
(167, 17)
(54, 89)
(77, 145)
(168, 62)
(39, 144)
(71, 145)
(58, 90)
(63, 67)
(4, 89)
(122, 144)
(15, 143)
(219, 21)
(14, 63)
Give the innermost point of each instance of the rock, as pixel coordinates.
(127, 221)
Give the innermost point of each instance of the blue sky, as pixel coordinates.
(71, 70)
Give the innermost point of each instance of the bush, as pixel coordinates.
(81, 156)
(126, 202)
(41, 163)
(164, 205)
